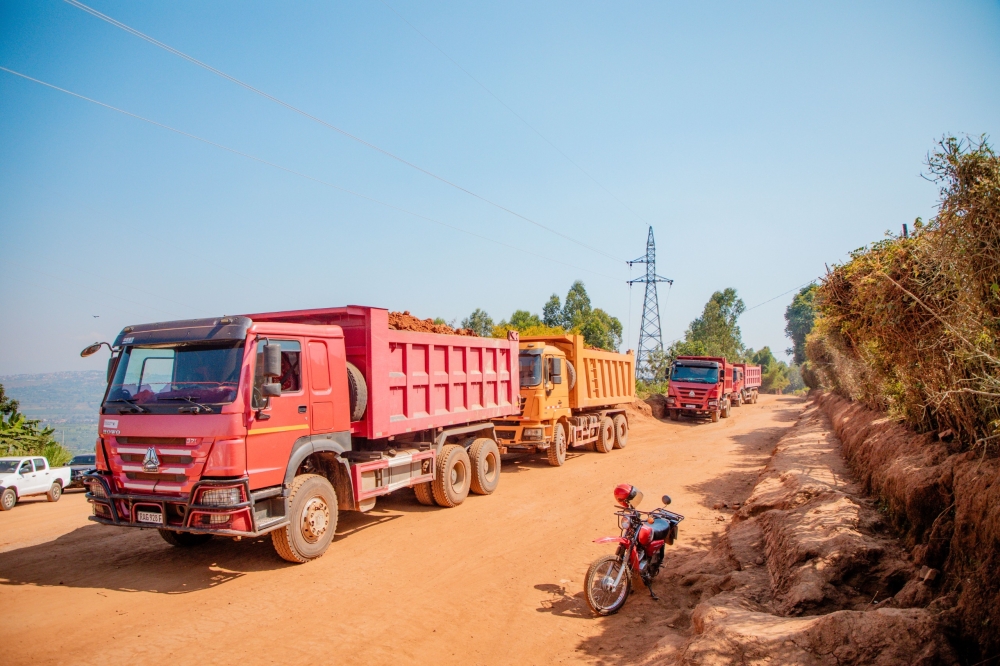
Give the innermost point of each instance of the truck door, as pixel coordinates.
(43, 475)
(321, 388)
(285, 417)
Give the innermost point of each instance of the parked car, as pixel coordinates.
(24, 476)
(79, 466)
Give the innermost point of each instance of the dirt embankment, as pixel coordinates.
(809, 572)
(946, 503)
(404, 321)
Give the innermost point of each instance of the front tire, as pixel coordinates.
(484, 454)
(715, 416)
(675, 415)
(312, 515)
(621, 430)
(55, 492)
(8, 499)
(184, 539)
(602, 598)
(557, 448)
(451, 485)
(739, 400)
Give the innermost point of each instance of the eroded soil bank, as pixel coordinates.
(946, 503)
(808, 571)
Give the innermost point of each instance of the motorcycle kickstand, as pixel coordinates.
(649, 586)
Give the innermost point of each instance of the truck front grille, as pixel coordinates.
(164, 459)
(146, 476)
(506, 434)
(153, 441)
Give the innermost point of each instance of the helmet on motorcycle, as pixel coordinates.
(627, 495)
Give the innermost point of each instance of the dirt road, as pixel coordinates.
(496, 580)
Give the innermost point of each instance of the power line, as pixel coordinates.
(516, 114)
(199, 63)
(302, 175)
(778, 296)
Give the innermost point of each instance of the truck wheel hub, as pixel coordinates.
(315, 519)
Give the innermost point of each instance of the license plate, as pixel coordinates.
(691, 406)
(150, 517)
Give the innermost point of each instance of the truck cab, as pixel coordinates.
(700, 386)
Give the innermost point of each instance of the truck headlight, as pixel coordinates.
(532, 433)
(671, 400)
(97, 490)
(713, 403)
(220, 496)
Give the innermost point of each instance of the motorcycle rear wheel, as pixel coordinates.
(601, 597)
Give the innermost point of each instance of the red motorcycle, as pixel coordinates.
(645, 535)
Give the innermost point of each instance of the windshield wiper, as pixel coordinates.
(142, 410)
(191, 400)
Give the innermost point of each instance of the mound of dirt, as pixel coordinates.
(658, 404)
(639, 409)
(945, 502)
(808, 574)
(404, 321)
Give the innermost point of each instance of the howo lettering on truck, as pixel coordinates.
(272, 423)
(571, 395)
(700, 386)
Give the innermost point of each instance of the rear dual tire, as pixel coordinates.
(606, 436)
(453, 478)
(621, 430)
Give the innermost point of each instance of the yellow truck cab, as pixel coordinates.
(571, 395)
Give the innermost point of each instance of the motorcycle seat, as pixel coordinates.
(661, 528)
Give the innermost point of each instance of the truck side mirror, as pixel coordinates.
(555, 370)
(272, 360)
(270, 390)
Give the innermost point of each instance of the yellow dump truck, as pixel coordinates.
(571, 395)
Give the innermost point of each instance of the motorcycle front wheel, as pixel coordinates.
(603, 597)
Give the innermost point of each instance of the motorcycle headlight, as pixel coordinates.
(623, 522)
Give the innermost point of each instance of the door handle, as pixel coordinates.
(302, 409)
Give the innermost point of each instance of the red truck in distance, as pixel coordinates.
(709, 386)
(272, 423)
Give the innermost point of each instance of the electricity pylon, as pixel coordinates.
(650, 335)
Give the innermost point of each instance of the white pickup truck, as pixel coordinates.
(23, 476)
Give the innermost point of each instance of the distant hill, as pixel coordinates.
(67, 401)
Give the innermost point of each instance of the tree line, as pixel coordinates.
(21, 436)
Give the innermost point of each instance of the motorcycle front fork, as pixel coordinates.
(647, 580)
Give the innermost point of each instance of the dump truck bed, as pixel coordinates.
(417, 380)
(751, 375)
(603, 378)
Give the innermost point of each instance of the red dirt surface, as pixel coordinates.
(496, 580)
(404, 321)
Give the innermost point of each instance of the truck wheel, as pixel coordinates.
(8, 499)
(557, 448)
(606, 435)
(312, 515)
(55, 492)
(715, 416)
(357, 391)
(451, 486)
(184, 539)
(675, 415)
(485, 457)
(570, 374)
(424, 493)
(739, 400)
(754, 401)
(727, 411)
(621, 430)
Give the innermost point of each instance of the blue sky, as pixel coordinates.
(760, 141)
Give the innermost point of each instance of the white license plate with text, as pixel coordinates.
(691, 406)
(150, 517)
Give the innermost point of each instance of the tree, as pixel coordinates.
(715, 332)
(479, 322)
(522, 319)
(764, 358)
(600, 329)
(800, 315)
(577, 308)
(21, 436)
(552, 312)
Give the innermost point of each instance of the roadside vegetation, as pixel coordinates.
(911, 324)
(574, 315)
(21, 436)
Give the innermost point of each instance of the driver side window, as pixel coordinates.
(291, 370)
(25, 468)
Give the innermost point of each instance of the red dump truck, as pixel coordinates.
(746, 383)
(700, 386)
(272, 423)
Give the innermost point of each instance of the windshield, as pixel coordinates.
(204, 373)
(83, 460)
(694, 374)
(8, 466)
(530, 369)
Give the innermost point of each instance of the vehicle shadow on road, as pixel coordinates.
(562, 603)
(103, 557)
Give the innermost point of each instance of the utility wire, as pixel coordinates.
(778, 296)
(516, 114)
(199, 63)
(302, 175)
